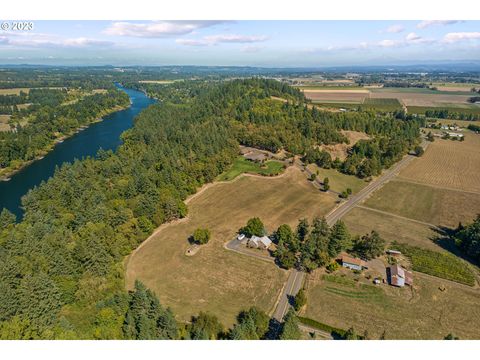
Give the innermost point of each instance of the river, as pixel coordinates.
(104, 134)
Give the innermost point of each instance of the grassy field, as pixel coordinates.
(338, 181)
(430, 99)
(460, 123)
(424, 312)
(215, 279)
(386, 105)
(361, 221)
(414, 90)
(425, 203)
(449, 164)
(242, 165)
(440, 264)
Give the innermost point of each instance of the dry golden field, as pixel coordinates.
(4, 122)
(421, 312)
(343, 96)
(361, 221)
(449, 164)
(341, 150)
(13, 91)
(215, 279)
(433, 205)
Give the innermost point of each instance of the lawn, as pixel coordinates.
(242, 165)
(215, 279)
(338, 182)
(437, 206)
(424, 312)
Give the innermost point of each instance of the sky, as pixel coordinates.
(241, 43)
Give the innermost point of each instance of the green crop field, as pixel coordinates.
(242, 165)
(384, 104)
(442, 265)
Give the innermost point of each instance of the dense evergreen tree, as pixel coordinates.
(290, 329)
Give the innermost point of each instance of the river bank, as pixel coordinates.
(9, 171)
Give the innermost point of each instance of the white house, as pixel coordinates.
(240, 237)
(263, 242)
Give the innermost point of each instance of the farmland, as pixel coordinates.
(429, 204)
(448, 164)
(13, 91)
(215, 279)
(383, 104)
(439, 264)
(341, 96)
(242, 165)
(390, 227)
(384, 98)
(424, 312)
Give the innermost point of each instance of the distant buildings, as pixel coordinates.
(352, 263)
(454, 135)
(399, 276)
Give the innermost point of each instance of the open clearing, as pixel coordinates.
(242, 165)
(341, 150)
(361, 221)
(338, 181)
(424, 312)
(215, 279)
(425, 203)
(449, 164)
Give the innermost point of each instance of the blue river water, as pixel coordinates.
(102, 135)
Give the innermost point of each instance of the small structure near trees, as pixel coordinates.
(352, 263)
(400, 277)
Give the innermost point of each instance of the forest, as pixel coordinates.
(49, 119)
(61, 266)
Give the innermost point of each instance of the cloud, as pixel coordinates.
(251, 48)
(461, 36)
(216, 39)
(395, 29)
(157, 29)
(388, 43)
(46, 40)
(427, 23)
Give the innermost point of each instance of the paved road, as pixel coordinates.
(296, 278)
(291, 288)
(319, 332)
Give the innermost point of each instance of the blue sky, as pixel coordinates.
(252, 43)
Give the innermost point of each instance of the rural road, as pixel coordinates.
(296, 278)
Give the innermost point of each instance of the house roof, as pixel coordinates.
(255, 239)
(255, 156)
(397, 270)
(352, 260)
(266, 241)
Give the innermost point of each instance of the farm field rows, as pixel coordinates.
(450, 164)
(215, 279)
(341, 96)
(425, 203)
(424, 312)
(4, 122)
